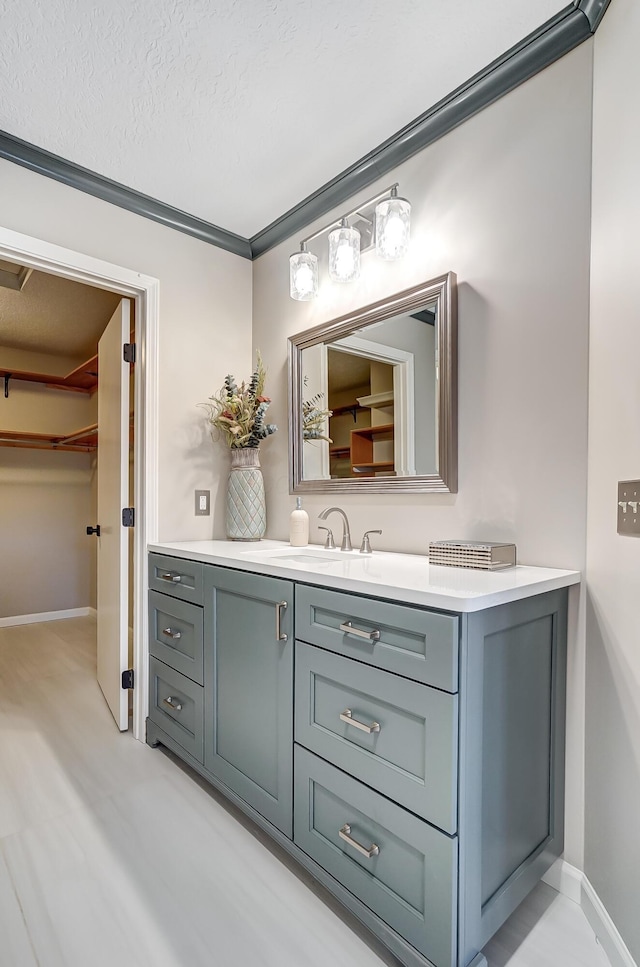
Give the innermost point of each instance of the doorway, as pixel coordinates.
(143, 290)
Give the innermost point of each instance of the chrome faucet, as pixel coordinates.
(346, 533)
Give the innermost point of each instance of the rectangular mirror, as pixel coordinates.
(385, 378)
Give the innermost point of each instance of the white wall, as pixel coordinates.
(205, 326)
(504, 201)
(612, 845)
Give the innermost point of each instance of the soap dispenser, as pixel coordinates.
(299, 526)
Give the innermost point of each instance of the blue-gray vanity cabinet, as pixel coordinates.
(248, 672)
(436, 737)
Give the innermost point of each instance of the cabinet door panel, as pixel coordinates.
(249, 683)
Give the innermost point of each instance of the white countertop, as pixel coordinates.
(401, 577)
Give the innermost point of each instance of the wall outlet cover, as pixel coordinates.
(203, 503)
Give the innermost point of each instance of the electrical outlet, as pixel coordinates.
(202, 503)
(629, 507)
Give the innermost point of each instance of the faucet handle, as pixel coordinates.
(330, 544)
(365, 547)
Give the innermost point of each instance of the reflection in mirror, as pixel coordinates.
(372, 402)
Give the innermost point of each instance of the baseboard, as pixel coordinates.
(566, 879)
(31, 619)
(604, 928)
(572, 883)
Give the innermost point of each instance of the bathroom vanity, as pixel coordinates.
(397, 728)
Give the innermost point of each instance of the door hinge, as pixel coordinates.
(129, 352)
(127, 678)
(128, 517)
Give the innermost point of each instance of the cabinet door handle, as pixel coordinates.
(280, 607)
(347, 716)
(175, 578)
(345, 833)
(172, 703)
(176, 635)
(348, 629)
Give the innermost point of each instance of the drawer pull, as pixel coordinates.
(176, 635)
(280, 607)
(347, 716)
(348, 629)
(345, 833)
(172, 703)
(168, 576)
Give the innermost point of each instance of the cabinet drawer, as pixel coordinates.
(409, 882)
(418, 644)
(175, 634)
(176, 705)
(172, 575)
(410, 754)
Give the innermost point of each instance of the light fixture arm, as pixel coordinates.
(354, 211)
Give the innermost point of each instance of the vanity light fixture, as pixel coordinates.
(344, 253)
(392, 226)
(383, 221)
(303, 274)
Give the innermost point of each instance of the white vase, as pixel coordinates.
(246, 510)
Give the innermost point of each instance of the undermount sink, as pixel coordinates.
(303, 556)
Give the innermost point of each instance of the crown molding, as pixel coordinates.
(594, 11)
(53, 166)
(561, 34)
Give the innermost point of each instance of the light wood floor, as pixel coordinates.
(112, 854)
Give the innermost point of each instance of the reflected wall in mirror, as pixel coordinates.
(372, 404)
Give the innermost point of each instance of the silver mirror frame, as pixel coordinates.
(444, 291)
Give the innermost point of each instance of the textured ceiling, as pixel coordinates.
(54, 316)
(234, 111)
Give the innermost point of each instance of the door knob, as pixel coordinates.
(94, 530)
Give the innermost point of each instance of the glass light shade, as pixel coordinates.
(344, 253)
(393, 225)
(303, 276)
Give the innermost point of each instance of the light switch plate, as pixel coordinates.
(203, 508)
(629, 507)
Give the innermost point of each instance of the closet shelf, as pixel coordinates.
(377, 399)
(82, 379)
(82, 441)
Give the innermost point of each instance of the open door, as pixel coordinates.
(113, 496)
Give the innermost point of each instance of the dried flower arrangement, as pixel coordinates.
(238, 412)
(314, 418)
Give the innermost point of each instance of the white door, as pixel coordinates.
(113, 495)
